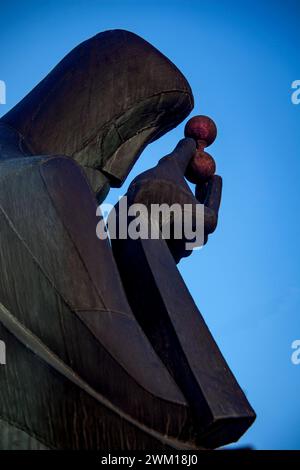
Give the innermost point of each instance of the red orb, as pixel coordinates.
(201, 167)
(202, 129)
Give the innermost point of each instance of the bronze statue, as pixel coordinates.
(105, 346)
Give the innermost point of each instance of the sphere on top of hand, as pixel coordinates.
(202, 129)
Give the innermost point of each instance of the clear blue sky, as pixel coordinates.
(240, 59)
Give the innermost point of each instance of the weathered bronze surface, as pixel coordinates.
(103, 354)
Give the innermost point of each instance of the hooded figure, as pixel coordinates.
(81, 371)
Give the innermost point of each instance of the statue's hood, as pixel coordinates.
(103, 103)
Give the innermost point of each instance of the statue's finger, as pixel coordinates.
(181, 155)
(212, 198)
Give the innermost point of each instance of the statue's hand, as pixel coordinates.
(166, 184)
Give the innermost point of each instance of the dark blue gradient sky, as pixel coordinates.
(240, 59)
